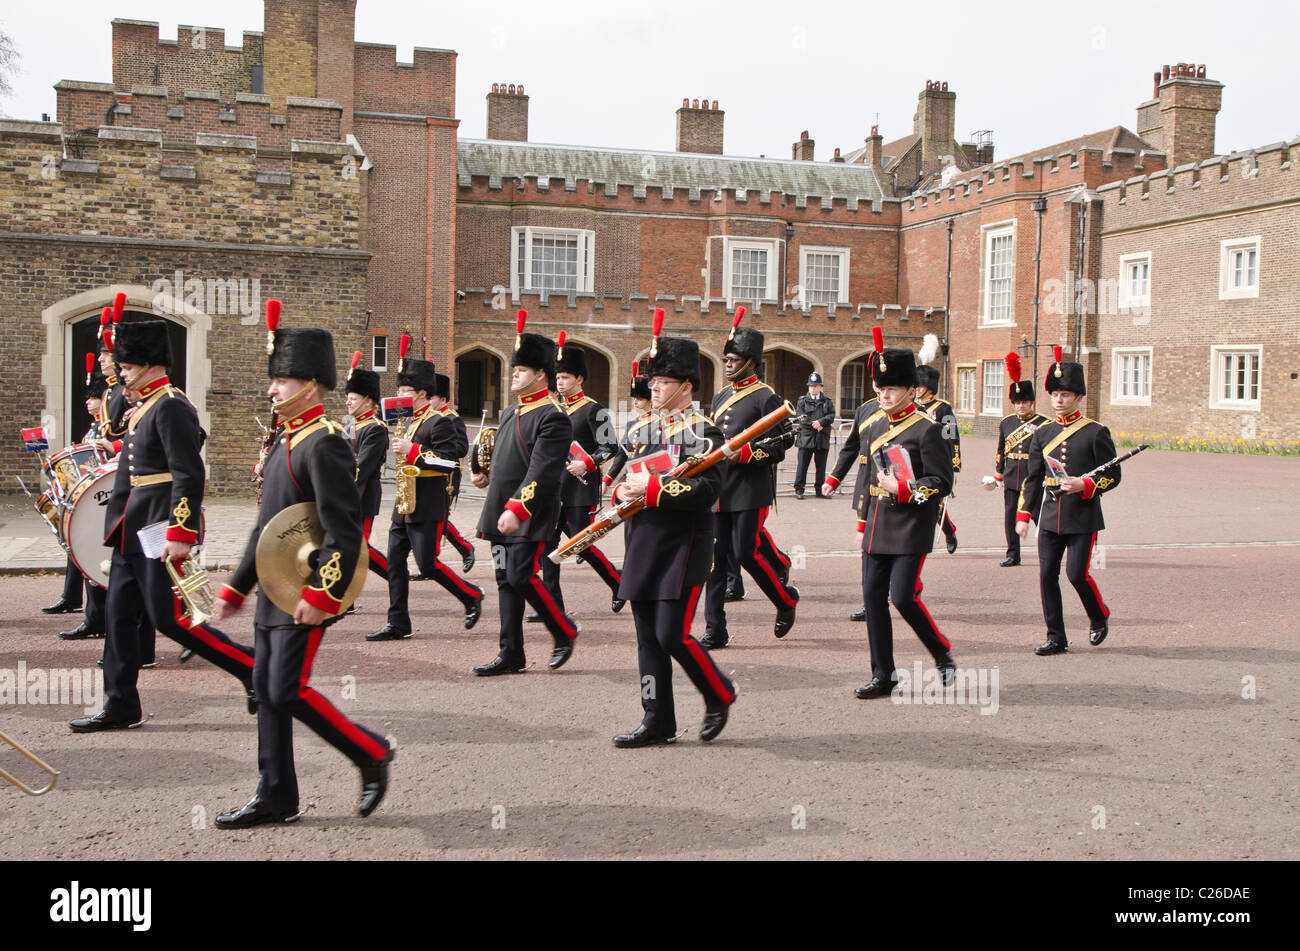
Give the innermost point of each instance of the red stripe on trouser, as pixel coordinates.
(378, 559)
(471, 593)
(547, 601)
(698, 653)
(327, 709)
(926, 611)
(457, 540)
(771, 542)
(788, 601)
(599, 555)
(1087, 573)
(365, 528)
(204, 635)
(919, 587)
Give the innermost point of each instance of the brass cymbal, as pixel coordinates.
(286, 551)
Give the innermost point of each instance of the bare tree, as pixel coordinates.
(8, 63)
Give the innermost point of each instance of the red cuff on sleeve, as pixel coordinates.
(862, 524)
(231, 596)
(177, 534)
(652, 490)
(833, 482)
(582, 454)
(616, 495)
(746, 454)
(1022, 516)
(904, 492)
(319, 599)
(117, 446)
(514, 505)
(606, 480)
(413, 454)
(1089, 488)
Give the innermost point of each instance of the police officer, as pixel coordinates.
(523, 503)
(370, 444)
(669, 548)
(941, 411)
(160, 479)
(434, 443)
(816, 415)
(748, 489)
(1061, 451)
(310, 462)
(1012, 460)
(854, 451)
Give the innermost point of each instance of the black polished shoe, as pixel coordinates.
(952, 543)
(419, 577)
(733, 594)
(876, 688)
(250, 699)
(186, 655)
(101, 722)
(715, 716)
(560, 656)
(100, 663)
(256, 813)
(785, 617)
(1098, 634)
(642, 736)
(148, 664)
(712, 642)
(473, 611)
(388, 633)
(499, 666)
(947, 669)
(62, 606)
(783, 572)
(617, 604)
(799, 496)
(374, 780)
(859, 615)
(533, 618)
(81, 632)
(1009, 563)
(468, 563)
(1049, 647)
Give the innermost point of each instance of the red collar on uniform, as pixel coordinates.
(368, 414)
(1066, 420)
(534, 397)
(153, 386)
(570, 400)
(741, 384)
(110, 380)
(1027, 417)
(305, 417)
(902, 414)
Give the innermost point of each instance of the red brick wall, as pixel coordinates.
(197, 59)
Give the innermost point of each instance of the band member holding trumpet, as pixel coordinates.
(523, 503)
(670, 546)
(1012, 459)
(160, 480)
(428, 451)
(311, 462)
(1066, 503)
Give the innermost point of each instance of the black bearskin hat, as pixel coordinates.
(1066, 376)
(441, 386)
(928, 377)
(746, 342)
(899, 368)
(678, 359)
(304, 353)
(1022, 390)
(364, 383)
(97, 387)
(640, 385)
(572, 360)
(418, 375)
(142, 343)
(537, 353)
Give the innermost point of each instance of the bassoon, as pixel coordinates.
(606, 520)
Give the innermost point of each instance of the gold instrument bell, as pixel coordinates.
(287, 554)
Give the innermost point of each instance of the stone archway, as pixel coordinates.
(599, 382)
(853, 379)
(786, 371)
(481, 383)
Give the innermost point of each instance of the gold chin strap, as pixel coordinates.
(134, 382)
(745, 369)
(282, 406)
(668, 405)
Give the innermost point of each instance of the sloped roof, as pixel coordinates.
(1116, 137)
(640, 168)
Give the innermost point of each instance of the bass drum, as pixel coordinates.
(69, 464)
(82, 525)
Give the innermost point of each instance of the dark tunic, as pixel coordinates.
(1081, 444)
(439, 437)
(748, 482)
(370, 443)
(1012, 459)
(594, 432)
(814, 409)
(854, 450)
(528, 455)
(905, 525)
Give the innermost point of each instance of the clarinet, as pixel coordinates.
(1055, 491)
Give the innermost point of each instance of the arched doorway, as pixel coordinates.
(786, 372)
(596, 384)
(854, 384)
(479, 383)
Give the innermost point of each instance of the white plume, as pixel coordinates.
(929, 349)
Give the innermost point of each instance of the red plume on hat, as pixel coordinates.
(559, 352)
(635, 369)
(403, 346)
(106, 329)
(119, 304)
(90, 367)
(520, 320)
(735, 322)
(356, 359)
(272, 321)
(1056, 352)
(656, 330)
(1012, 361)
(878, 341)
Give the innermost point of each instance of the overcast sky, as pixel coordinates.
(612, 74)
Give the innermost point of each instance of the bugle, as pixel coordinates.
(45, 767)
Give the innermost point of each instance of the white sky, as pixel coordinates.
(613, 74)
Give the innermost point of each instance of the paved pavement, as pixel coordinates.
(1174, 739)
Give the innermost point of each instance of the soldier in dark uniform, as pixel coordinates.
(909, 471)
(927, 379)
(312, 462)
(523, 503)
(853, 451)
(370, 444)
(816, 415)
(594, 443)
(1067, 524)
(669, 546)
(748, 490)
(160, 479)
(74, 581)
(1012, 460)
(639, 392)
(434, 442)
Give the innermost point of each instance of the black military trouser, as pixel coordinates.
(1051, 548)
(663, 634)
(97, 620)
(457, 540)
(896, 578)
(1010, 502)
(801, 470)
(73, 579)
(742, 532)
(135, 580)
(518, 582)
(284, 660)
(573, 519)
(425, 540)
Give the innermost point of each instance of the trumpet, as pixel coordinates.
(193, 587)
(45, 767)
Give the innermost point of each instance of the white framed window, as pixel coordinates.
(1131, 376)
(823, 275)
(853, 388)
(966, 390)
(379, 353)
(552, 260)
(1135, 280)
(1239, 268)
(1234, 377)
(991, 404)
(749, 269)
(999, 273)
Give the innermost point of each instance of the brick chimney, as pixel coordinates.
(699, 127)
(1180, 118)
(289, 49)
(802, 151)
(935, 121)
(507, 113)
(871, 155)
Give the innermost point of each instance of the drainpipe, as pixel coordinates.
(1040, 208)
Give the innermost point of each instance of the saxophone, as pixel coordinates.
(404, 476)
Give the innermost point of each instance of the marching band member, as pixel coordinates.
(941, 411)
(370, 444)
(312, 462)
(1012, 460)
(638, 392)
(71, 601)
(851, 452)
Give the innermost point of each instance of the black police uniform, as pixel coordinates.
(669, 549)
(813, 444)
(311, 461)
(942, 413)
(1012, 464)
(593, 431)
(370, 445)
(1068, 525)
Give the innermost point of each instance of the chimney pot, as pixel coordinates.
(875, 130)
(945, 87)
(803, 134)
(494, 87)
(521, 89)
(695, 104)
(715, 104)
(686, 103)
